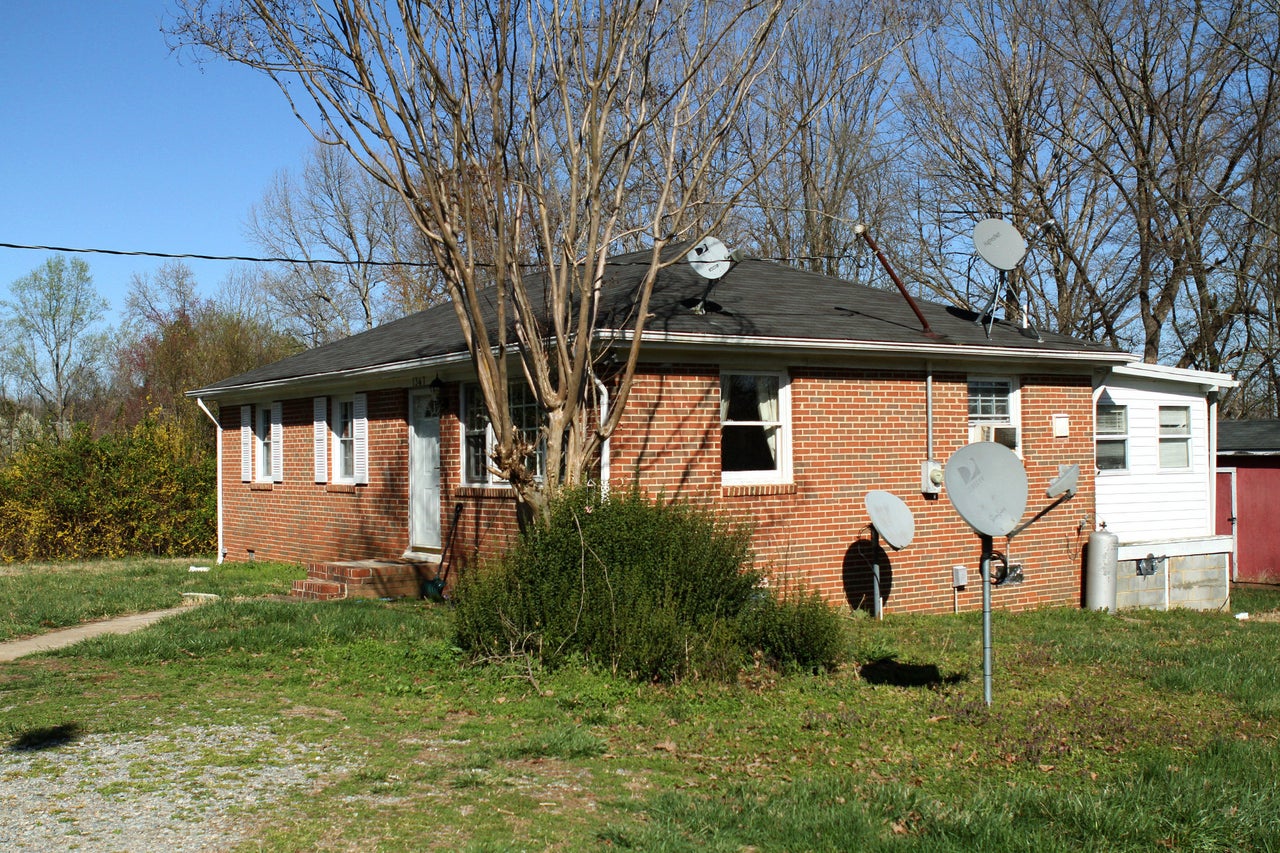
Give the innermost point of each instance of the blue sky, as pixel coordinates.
(110, 141)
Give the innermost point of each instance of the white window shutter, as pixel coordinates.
(360, 434)
(320, 437)
(246, 443)
(277, 441)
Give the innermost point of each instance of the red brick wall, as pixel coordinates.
(855, 431)
(299, 520)
(852, 431)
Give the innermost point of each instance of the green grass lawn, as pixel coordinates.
(35, 598)
(1138, 731)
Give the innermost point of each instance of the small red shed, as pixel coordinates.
(1248, 482)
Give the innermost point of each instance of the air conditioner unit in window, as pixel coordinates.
(1006, 435)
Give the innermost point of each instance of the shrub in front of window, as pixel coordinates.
(651, 590)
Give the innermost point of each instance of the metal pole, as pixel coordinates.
(875, 572)
(986, 619)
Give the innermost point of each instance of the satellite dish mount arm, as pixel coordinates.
(861, 228)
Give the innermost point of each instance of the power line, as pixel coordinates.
(338, 261)
(199, 257)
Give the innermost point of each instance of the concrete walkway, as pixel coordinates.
(14, 649)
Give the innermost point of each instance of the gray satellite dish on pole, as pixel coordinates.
(891, 520)
(988, 487)
(710, 258)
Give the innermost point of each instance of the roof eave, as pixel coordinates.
(748, 342)
(1097, 358)
(381, 371)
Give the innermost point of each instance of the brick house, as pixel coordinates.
(780, 396)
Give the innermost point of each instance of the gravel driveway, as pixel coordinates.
(189, 789)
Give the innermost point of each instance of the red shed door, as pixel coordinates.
(1225, 517)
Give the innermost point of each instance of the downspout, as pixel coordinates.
(217, 431)
(604, 445)
(928, 410)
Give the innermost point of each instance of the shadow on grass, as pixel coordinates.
(897, 674)
(36, 740)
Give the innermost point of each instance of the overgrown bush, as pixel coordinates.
(653, 590)
(148, 490)
(795, 630)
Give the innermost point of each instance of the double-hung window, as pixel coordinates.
(479, 438)
(262, 443)
(1111, 437)
(344, 440)
(993, 411)
(341, 439)
(754, 439)
(1175, 437)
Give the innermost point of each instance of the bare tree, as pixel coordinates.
(55, 345)
(836, 170)
(516, 131)
(1172, 99)
(351, 231)
(986, 110)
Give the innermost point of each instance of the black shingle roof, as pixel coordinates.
(1257, 436)
(755, 299)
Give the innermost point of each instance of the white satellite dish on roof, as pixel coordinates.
(988, 487)
(710, 258)
(999, 243)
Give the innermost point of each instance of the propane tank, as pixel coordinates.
(1100, 570)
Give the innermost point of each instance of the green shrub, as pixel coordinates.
(796, 630)
(652, 590)
(145, 491)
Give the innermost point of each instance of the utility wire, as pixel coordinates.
(198, 257)
(339, 261)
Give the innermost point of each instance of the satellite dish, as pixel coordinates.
(891, 518)
(987, 486)
(1068, 477)
(710, 258)
(999, 243)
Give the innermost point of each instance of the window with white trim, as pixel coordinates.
(268, 435)
(1175, 437)
(479, 438)
(344, 440)
(993, 411)
(1111, 437)
(262, 442)
(754, 428)
(349, 440)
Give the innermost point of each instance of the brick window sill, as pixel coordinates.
(757, 490)
(340, 488)
(261, 487)
(502, 492)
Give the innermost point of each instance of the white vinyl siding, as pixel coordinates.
(1148, 501)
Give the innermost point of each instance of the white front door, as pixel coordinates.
(424, 472)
